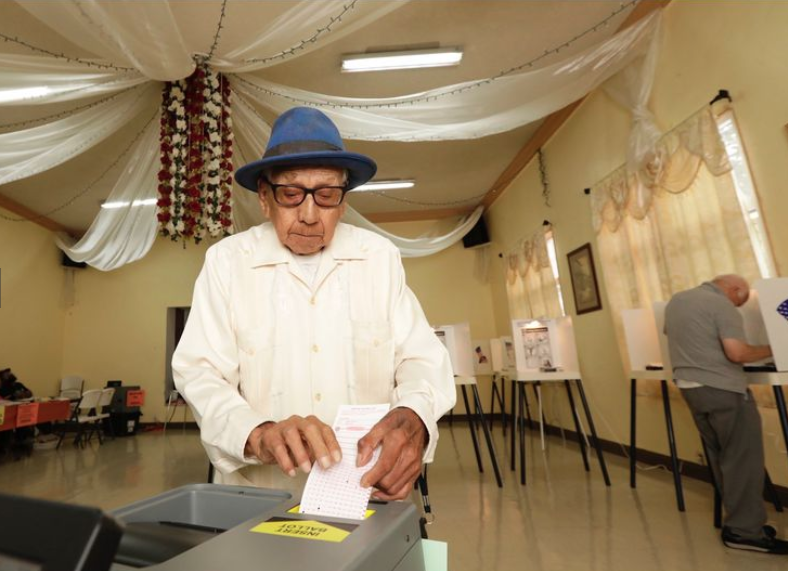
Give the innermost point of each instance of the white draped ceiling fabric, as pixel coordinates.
(139, 45)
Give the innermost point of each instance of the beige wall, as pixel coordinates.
(449, 292)
(707, 46)
(31, 310)
(444, 282)
(116, 328)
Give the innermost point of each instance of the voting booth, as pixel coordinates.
(509, 358)
(765, 318)
(544, 345)
(640, 333)
(545, 352)
(647, 344)
(497, 355)
(457, 339)
(502, 354)
(649, 359)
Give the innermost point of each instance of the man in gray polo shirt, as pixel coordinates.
(707, 348)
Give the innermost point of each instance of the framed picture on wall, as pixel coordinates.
(584, 284)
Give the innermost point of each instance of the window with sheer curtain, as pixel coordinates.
(690, 214)
(532, 286)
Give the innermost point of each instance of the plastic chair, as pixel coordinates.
(71, 388)
(102, 412)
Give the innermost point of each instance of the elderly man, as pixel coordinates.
(299, 315)
(707, 348)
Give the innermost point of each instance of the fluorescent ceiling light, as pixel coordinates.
(386, 185)
(123, 204)
(7, 95)
(401, 60)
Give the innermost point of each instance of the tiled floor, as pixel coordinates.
(564, 519)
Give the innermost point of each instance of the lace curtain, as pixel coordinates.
(531, 287)
(672, 224)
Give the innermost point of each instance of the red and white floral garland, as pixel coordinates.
(196, 143)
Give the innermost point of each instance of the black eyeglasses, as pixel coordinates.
(292, 195)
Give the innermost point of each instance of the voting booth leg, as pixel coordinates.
(771, 492)
(472, 426)
(521, 398)
(580, 437)
(674, 459)
(487, 435)
(503, 405)
(537, 388)
(516, 422)
(591, 426)
(537, 391)
(779, 398)
(633, 451)
(500, 396)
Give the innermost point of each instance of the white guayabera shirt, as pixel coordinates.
(263, 342)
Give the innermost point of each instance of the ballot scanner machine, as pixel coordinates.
(211, 527)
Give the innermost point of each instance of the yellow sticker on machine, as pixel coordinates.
(305, 529)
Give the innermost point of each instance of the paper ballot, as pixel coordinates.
(337, 491)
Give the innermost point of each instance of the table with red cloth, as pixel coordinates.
(21, 414)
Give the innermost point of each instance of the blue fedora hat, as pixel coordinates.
(306, 137)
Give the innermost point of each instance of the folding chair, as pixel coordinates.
(103, 414)
(84, 415)
(71, 387)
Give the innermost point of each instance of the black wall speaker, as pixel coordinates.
(477, 235)
(67, 262)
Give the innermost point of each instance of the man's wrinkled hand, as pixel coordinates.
(295, 443)
(402, 435)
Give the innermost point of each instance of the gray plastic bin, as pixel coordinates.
(161, 527)
(203, 505)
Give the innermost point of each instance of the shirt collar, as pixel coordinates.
(268, 250)
(715, 288)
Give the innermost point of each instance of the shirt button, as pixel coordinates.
(313, 301)
(376, 343)
(315, 348)
(318, 396)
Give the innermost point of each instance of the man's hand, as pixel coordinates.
(740, 352)
(403, 437)
(295, 442)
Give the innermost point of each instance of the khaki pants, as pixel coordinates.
(730, 426)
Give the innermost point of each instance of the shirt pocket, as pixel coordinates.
(373, 361)
(256, 363)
